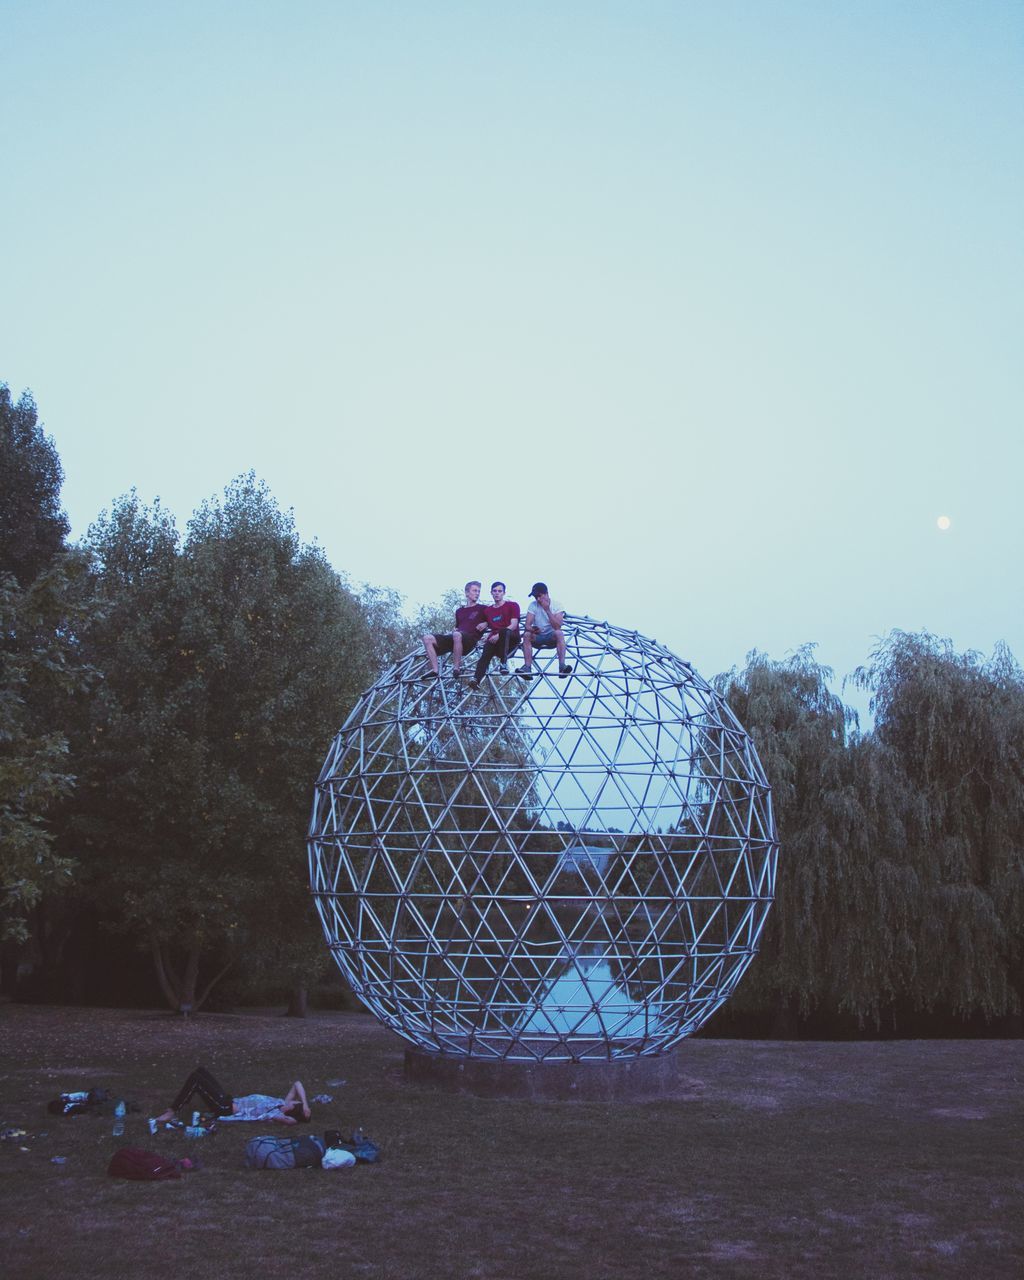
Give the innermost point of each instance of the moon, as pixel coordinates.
(943, 522)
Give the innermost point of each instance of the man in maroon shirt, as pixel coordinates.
(470, 622)
(501, 636)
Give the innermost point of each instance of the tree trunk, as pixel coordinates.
(52, 929)
(10, 954)
(212, 983)
(180, 987)
(169, 982)
(187, 1003)
(785, 1023)
(298, 1001)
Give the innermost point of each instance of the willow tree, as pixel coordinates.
(800, 728)
(952, 726)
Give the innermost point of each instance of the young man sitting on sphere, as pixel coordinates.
(543, 630)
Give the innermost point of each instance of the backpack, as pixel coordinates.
(283, 1153)
(365, 1150)
(141, 1166)
(78, 1103)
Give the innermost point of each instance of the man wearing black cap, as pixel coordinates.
(543, 630)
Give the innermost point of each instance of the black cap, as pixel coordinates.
(538, 589)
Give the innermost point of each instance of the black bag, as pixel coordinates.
(78, 1103)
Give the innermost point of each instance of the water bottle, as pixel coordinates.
(119, 1114)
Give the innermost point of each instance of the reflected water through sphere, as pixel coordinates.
(557, 868)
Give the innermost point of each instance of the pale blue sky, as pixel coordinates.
(702, 312)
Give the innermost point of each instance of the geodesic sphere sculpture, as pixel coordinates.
(560, 868)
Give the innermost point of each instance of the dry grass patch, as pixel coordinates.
(792, 1160)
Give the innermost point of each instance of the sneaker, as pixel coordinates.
(525, 672)
(429, 675)
(456, 675)
(474, 684)
(503, 669)
(564, 670)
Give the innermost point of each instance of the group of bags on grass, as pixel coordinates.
(307, 1152)
(264, 1152)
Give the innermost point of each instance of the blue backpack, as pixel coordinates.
(284, 1153)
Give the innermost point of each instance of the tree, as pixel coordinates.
(41, 610)
(901, 874)
(800, 729)
(952, 728)
(33, 525)
(230, 658)
(39, 670)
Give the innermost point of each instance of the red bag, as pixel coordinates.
(141, 1166)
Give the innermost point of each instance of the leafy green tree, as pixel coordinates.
(39, 670)
(33, 525)
(230, 658)
(41, 609)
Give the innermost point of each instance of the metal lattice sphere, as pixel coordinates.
(556, 868)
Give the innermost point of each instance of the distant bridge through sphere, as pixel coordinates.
(556, 869)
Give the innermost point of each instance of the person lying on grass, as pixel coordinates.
(293, 1108)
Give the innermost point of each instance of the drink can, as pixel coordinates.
(195, 1119)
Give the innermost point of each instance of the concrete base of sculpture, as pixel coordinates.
(618, 1080)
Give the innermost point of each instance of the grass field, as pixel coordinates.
(778, 1159)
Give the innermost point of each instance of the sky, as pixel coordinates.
(703, 313)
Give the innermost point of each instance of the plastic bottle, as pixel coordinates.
(119, 1114)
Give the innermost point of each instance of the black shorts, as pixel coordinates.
(445, 643)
